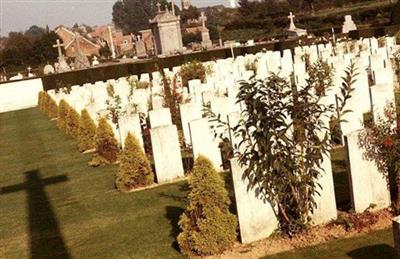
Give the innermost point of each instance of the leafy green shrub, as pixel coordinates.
(192, 70)
(72, 122)
(134, 169)
(62, 116)
(87, 132)
(207, 225)
(106, 145)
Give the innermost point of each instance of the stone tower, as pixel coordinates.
(186, 4)
(166, 28)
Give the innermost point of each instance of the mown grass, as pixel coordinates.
(88, 217)
(83, 216)
(378, 244)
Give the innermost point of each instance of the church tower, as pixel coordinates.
(186, 4)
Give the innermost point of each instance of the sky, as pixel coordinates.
(19, 15)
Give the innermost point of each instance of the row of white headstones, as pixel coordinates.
(257, 219)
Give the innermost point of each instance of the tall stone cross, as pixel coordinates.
(158, 7)
(45, 236)
(59, 46)
(203, 19)
(291, 17)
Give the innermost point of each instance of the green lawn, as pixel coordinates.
(376, 245)
(52, 205)
(73, 210)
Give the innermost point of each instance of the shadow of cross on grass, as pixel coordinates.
(46, 240)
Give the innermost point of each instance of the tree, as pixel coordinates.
(207, 226)
(87, 132)
(133, 15)
(107, 149)
(190, 14)
(134, 169)
(395, 18)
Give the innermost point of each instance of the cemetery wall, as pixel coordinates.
(20, 94)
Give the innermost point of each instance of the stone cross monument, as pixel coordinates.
(291, 17)
(293, 31)
(205, 33)
(62, 64)
(348, 24)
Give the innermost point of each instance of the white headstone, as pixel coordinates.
(368, 185)
(160, 117)
(204, 143)
(166, 153)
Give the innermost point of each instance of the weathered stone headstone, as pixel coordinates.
(203, 142)
(166, 153)
(368, 185)
(189, 112)
(396, 235)
(160, 117)
(257, 219)
(140, 48)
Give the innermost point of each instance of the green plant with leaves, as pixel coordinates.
(381, 141)
(172, 98)
(114, 107)
(207, 226)
(284, 137)
(192, 70)
(87, 132)
(107, 149)
(134, 169)
(288, 162)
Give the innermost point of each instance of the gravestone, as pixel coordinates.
(160, 117)
(131, 124)
(203, 142)
(140, 48)
(189, 112)
(166, 153)
(205, 33)
(396, 235)
(348, 24)
(368, 185)
(256, 217)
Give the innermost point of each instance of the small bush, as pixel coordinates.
(134, 169)
(40, 100)
(62, 116)
(87, 132)
(72, 123)
(106, 145)
(207, 225)
(192, 70)
(52, 108)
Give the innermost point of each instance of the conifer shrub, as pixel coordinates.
(40, 100)
(87, 132)
(107, 149)
(207, 225)
(72, 122)
(62, 116)
(52, 108)
(134, 169)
